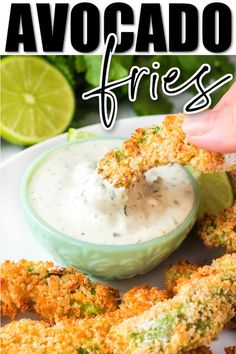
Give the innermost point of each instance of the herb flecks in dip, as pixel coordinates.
(68, 194)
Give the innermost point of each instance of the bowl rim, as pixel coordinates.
(36, 163)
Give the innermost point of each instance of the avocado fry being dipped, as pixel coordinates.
(157, 146)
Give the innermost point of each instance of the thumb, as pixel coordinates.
(213, 130)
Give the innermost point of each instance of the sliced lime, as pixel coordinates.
(37, 101)
(216, 192)
(74, 134)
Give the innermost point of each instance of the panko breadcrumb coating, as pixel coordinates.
(83, 336)
(190, 319)
(220, 230)
(156, 146)
(52, 292)
(177, 273)
(181, 272)
(91, 335)
(80, 336)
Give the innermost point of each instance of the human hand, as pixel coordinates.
(215, 130)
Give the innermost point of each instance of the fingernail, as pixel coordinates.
(197, 124)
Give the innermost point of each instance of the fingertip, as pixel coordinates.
(213, 144)
(197, 124)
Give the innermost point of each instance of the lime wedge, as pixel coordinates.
(37, 101)
(74, 134)
(216, 192)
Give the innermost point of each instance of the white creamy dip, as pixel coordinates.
(68, 194)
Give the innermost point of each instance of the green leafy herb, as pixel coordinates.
(83, 73)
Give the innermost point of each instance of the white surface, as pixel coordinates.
(18, 242)
(102, 4)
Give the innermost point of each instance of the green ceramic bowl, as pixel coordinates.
(106, 261)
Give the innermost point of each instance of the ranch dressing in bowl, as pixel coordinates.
(68, 194)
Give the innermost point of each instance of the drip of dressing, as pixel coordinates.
(68, 194)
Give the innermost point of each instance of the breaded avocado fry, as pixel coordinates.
(190, 319)
(156, 146)
(178, 273)
(220, 230)
(181, 272)
(81, 336)
(194, 316)
(52, 292)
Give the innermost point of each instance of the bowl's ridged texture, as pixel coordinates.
(107, 263)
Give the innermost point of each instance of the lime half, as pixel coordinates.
(215, 190)
(37, 101)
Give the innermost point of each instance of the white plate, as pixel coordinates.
(17, 240)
